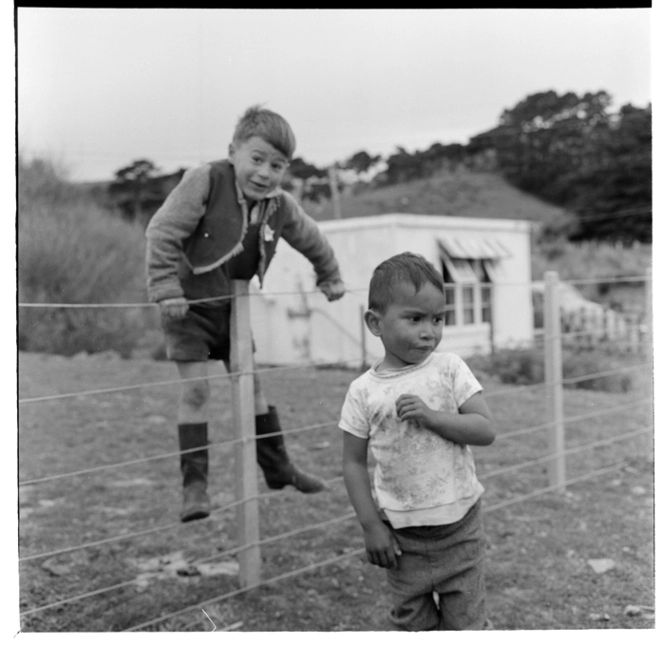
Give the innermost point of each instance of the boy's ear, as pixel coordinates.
(231, 152)
(372, 320)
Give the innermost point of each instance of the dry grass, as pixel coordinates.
(72, 250)
(538, 550)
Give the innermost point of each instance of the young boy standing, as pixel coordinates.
(419, 411)
(222, 223)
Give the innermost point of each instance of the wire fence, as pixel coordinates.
(557, 454)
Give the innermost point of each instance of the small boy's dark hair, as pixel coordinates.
(261, 122)
(405, 267)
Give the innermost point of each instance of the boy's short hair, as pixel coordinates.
(261, 122)
(404, 267)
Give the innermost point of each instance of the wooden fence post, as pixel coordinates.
(649, 347)
(242, 390)
(334, 190)
(363, 340)
(553, 369)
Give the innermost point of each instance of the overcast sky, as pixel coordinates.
(99, 88)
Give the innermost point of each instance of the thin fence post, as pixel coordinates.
(334, 190)
(246, 476)
(363, 339)
(649, 347)
(553, 368)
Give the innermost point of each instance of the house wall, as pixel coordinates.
(293, 325)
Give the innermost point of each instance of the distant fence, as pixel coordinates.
(589, 325)
(606, 328)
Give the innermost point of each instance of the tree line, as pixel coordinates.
(567, 149)
(571, 151)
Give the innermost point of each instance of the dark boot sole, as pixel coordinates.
(280, 486)
(194, 515)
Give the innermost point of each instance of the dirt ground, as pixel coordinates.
(578, 559)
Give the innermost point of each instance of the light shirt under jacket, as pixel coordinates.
(420, 478)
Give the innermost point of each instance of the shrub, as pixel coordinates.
(519, 366)
(72, 251)
(43, 180)
(585, 362)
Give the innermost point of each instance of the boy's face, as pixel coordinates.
(259, 167)
(412, 326)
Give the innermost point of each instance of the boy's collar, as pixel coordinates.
(397, 371)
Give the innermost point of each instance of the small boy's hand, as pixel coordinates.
(382, 547)
(333, 289)
(411, 408)
(174, 308)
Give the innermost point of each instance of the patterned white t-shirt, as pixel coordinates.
(420, 478)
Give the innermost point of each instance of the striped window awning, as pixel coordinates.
(461, 271)
(473, 248)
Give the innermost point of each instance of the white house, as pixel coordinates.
(485, 264)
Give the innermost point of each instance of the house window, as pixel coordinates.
(468, 287)
(450, 305)
(485, 303)
(468, 305)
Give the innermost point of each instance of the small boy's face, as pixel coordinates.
(412, 326)
(259, 167)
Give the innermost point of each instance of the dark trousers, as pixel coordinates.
(439, 583)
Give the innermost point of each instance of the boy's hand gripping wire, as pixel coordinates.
(333, 289)
(173, 308)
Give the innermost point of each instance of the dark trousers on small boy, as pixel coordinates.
(447, 560)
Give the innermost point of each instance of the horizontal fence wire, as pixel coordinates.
(360, 551)
(272, 539)
(219, 556)
(613, 372)
(512, 434)
(566, 452)
(227, 442)
(262, 583)
(197, 301)
(607, 280)
(227, 596)
(83, 596)
(155, 529)
(354, 362)
(175, 453)
(315, 426)
(517, 389)
(574, 419)
(349, 289)
(171, 526)
(138, 386)
(549, 489)
(276, 538)
(585, 333)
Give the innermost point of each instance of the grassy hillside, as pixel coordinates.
(462, 192)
